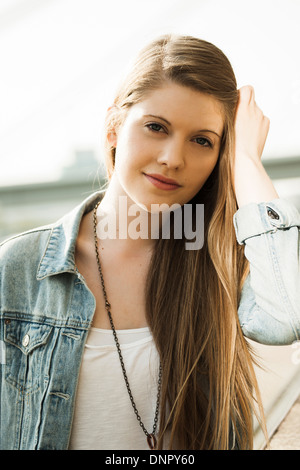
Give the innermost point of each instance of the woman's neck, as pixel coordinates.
(123, 224)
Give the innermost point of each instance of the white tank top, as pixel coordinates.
(104, 417)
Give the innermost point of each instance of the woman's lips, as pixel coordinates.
(162, 182)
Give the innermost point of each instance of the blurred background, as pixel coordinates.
(61, 61)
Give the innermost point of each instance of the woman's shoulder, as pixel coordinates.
(24, 246)
(61, 233)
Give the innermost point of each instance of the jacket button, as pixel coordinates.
(25, 340)
(272, 214)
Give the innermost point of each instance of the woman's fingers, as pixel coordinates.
(251, 126)
(246, 94)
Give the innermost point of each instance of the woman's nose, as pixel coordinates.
(172, 154)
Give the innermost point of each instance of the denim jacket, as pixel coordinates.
(46, 311)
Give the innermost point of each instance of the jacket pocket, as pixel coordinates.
(26, 350)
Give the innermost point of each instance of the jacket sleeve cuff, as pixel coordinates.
(256, 218)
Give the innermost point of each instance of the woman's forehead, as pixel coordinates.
(180, 104)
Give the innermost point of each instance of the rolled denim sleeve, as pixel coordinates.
(269, 309)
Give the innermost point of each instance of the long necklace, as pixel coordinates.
(151, 439)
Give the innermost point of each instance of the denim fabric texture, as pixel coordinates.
(46, 311)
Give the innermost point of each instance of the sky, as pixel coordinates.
(61, 62)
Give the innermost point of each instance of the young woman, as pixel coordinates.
(128, 342)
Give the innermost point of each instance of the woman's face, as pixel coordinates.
(175, 134)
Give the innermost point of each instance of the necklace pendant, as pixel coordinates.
(151, 440)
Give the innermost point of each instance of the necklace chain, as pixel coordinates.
(151, 439)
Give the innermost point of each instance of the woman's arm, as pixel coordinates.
(269, 309)
(251, 181)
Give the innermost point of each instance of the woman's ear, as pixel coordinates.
(111, 131)
(112, 138)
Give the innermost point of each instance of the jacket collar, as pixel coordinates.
(59, 254)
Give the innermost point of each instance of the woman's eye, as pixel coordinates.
(203, 142)
(153, 126)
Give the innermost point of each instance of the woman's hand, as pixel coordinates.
(251, 126)
(251, 182)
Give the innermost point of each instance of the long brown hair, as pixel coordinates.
(209, 389)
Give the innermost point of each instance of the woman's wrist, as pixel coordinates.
(252, 183)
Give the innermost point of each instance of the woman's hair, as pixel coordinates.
(209, 390)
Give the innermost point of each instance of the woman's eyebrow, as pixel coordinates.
(167, 122)
(159, 117)
(209, 130)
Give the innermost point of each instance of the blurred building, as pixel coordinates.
(23, 207)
